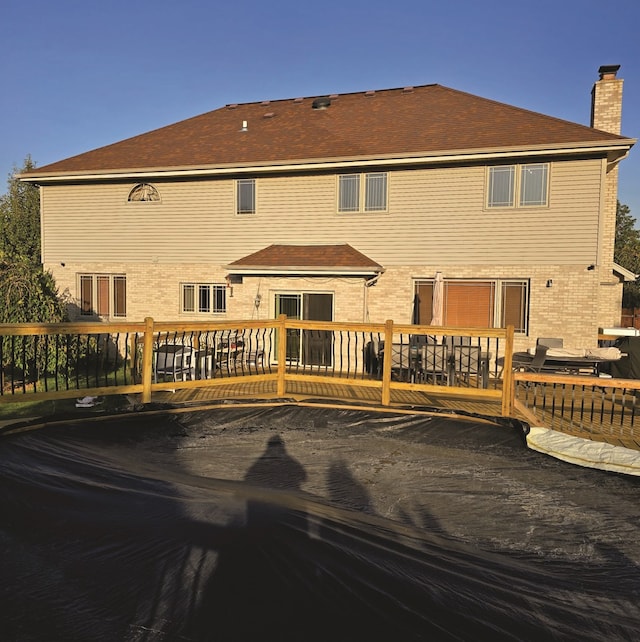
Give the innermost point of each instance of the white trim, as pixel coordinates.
(627, 275)
(304, 271)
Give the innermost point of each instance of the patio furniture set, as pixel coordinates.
(187, 362)
(425, 360)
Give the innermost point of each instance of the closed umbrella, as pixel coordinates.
(415, 317)
(437, 310)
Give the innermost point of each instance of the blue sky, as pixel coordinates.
(79, 74)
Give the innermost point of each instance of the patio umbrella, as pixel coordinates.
(437, 310)
(415, 317)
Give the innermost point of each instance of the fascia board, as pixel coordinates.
(302, 271)
(445, 156)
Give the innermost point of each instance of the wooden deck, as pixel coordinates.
(623, 433)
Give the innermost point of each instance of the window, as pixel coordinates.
(204, 298)
(143, 192)
(246, 196)
(518, 185)
(476, 304)
(353, 192)
(103, 295)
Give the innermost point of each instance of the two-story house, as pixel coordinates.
(349, 207)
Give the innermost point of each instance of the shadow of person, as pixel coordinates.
(260, 586)
(274, 469)
(345, 490)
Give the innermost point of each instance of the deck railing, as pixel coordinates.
(72, 359)
(583, 405)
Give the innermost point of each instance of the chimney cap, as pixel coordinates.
(608, 71)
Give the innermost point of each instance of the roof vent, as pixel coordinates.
(269, 114)
(407, 90)
(264, 103)
(369, 93)
(297, 100)
(321, 103)
(244, 126)
(232, 106)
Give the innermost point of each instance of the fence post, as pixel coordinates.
(147, 360)
(282, 355)
(508, 391)
(386, 363)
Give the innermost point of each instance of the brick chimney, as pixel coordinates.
(606, 100)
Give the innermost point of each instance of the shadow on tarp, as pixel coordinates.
(294, 523)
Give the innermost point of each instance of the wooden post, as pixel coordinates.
(147, 360)
(386, 364)
(508, 390)
(282, 355)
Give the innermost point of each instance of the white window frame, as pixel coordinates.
(114, 282)
(198, 290)
(239, 184)
(517, 188)
(363, 192)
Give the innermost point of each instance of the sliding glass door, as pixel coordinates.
(308, 347)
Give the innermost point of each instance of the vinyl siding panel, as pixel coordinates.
(435, 216)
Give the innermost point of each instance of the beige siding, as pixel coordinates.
(435, 216)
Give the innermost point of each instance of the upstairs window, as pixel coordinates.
(103, 295)
(246, 196)
(143, 192)
(203, 298)
(518, 185)
(362, 192)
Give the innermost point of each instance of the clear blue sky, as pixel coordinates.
(80, 74)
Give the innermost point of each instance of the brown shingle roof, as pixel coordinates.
(323, 257)
(401, 122)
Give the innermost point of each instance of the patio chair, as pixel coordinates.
(250, 362)
(401, 362)
(537, 363)
(175, 361)
(435, 364)
(467, 363)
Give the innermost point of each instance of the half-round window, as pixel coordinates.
(143, 192)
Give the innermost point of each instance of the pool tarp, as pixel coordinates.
(309, 523)
(584, 452)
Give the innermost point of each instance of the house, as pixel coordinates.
(348, 207)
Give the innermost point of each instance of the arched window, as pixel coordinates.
(143, 192)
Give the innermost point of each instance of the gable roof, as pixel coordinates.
(411, 122)
(307, 259)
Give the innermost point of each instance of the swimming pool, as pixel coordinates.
(309, 522)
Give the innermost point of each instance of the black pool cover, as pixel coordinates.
(309, 523)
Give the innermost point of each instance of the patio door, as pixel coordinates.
(307, 347)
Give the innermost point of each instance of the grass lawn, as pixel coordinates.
(65, 407)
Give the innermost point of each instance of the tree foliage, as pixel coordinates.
(627, 253)
(27, 292)
(20, 219)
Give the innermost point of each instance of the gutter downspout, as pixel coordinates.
(368, 283)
